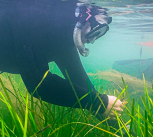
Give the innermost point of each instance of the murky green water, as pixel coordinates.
(130, 30)
(129, 26)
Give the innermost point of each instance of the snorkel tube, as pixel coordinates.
(83, 15)
(78, 41)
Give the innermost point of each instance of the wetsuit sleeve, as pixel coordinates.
(57, 90)
(69, 60)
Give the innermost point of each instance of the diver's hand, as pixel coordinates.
(118, 107)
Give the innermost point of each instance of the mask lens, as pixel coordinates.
(96, 32)
(92, 40)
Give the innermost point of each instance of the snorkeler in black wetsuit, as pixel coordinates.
(37, 32)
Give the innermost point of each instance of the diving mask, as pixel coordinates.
(96, 33)
(98, 20)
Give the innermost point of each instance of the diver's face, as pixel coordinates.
(86, 28)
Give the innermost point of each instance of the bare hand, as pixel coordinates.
(118, 107)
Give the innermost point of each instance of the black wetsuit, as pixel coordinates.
(36, 32)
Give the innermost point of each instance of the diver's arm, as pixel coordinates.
(55, 89)
(69, 60)
(72, 64)
(58, 91)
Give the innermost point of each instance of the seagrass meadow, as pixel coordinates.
(21, 115)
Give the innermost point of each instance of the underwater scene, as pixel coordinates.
(120, 64)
